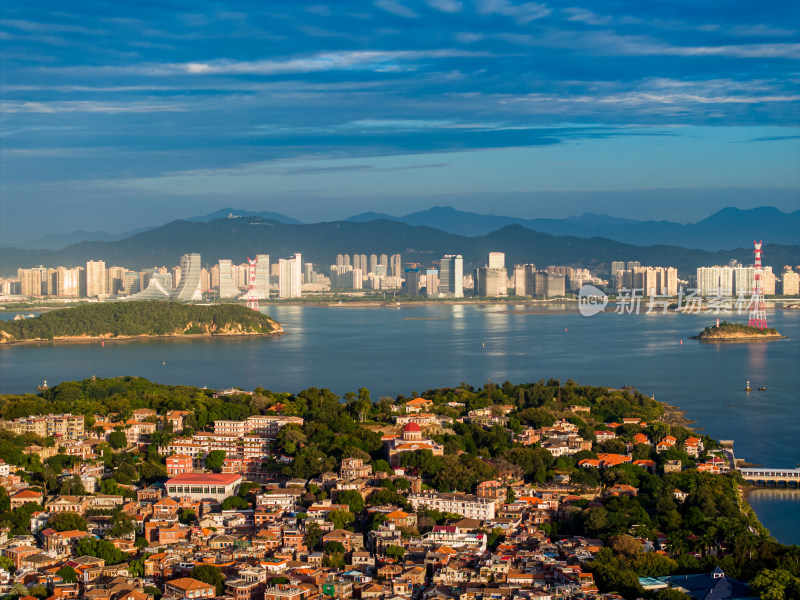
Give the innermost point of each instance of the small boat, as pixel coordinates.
(763, 388)
(748, 388)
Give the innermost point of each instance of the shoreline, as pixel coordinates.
(134, 338)
(676, 416)
(546, 306)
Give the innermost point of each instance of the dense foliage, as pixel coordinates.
(726, 328)
(138, 318)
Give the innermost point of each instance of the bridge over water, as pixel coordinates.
(771, 477)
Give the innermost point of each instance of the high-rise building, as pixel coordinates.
(530, 279)
(130, 283)
(668, 281)
(519, 280)
(290, 277)
(645, 279)
(451, 276)
(617, 266)
(342, 259)
(708, 281)
(373, 262)
(496, 260)
(308, 272)
(96, 283)
(176, 277)
(191, 287)
(68, 282)
(790, 282)
(262, 276)
(395, 265)
(36, 281)
(411, 285)
(114, 279)
(632, 264)
(431, 282)
(227, 289)
(490, 282)
(383, 259)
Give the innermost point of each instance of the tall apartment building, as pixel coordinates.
(290, 277)
(790, 282)
(96, 279)
(227, 288)
(548, 285)
(395, 265)
(262, 276)
(190, 287)
(412, 281)
(451, 276)
(496, 260)
(373, 262)
(491, 280)
(431, 282)
(645, 279)
(34, 282)
(616, 267)
(67, 282)
(519, 280)
(114, 277)
(668, 281)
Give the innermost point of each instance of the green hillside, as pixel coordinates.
(114, 319)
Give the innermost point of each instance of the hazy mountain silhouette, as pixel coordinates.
(319, 243)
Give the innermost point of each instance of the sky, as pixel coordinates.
(117, 116)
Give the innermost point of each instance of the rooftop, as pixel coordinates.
(204, 478)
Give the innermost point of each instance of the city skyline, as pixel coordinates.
(320, 111)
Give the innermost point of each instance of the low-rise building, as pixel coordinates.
(199, 486)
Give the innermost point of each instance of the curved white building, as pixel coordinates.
(190, 288)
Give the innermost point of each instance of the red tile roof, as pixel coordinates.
(204, 478)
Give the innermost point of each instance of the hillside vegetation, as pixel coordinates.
(726, 329)
(124, 319)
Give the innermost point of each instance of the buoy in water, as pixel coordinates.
(681, 342)
(102, 343)
(565, 330)
(164, 362)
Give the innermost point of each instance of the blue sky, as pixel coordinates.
(118, 115)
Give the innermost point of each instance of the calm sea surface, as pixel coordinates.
(392, 351)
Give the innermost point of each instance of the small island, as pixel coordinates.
(727, 332)
(126, 320)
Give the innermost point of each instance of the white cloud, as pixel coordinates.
(586, 16)
(396, 8)
(448, 6)
(83, 106)
(522, 13)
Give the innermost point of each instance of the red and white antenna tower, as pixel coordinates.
(252, 293)
(758, 314)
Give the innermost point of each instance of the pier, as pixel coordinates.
(771, 477)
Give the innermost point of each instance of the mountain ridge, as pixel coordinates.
(320, 242)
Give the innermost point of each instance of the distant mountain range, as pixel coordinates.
(727, 228)
(320, 242)
(56, 241)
